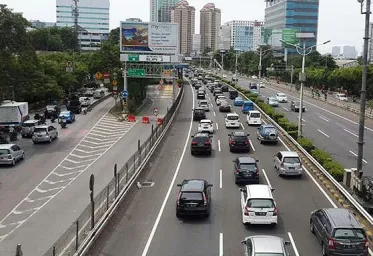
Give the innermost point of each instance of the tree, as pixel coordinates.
(370, 105)
(54, 39)
(114, 36)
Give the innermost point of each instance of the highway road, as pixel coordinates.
(148, 225)
(44, 194)
(331, 128)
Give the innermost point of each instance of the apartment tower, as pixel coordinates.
(160, 10)
(210, 21)
(184, 15)
(246, 35)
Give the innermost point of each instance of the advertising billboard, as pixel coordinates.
(149, 37)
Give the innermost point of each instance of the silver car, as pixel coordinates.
(205, 105)
(265, 245)
(10, 154)
(288, 163)
(28, 127)
(44, 133)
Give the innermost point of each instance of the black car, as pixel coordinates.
(224, 88)
(52, 110)
(201, 144)
(199, 114)
(194, 198)
(225, 107)
(295, 105)
(246, 170)
(239, 141)
(339, 232)
(233, 94)
(197, 86)
(217, 90)
(201, 94)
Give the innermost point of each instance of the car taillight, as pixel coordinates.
(366, 244)
(204, 199)
(232, 142)
(331, 243)
(246, 142)
(194, 143)
(207, 142)
(275, 212)
(178, 199)
(238, 170)
(247, 211)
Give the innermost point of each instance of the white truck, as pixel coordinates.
(13, 113)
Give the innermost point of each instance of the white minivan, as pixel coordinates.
(254, 117)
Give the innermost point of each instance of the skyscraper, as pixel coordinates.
(184, 15)
(196, 43)
(210, 21)
(336, 51)
(300, 14)
(160, 10)
(246, 35)
(349, 52)
(93, 21)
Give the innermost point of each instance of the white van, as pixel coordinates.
(254, 117)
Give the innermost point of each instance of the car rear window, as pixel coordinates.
(255, 115)
(40, 130)
(4, 151)
(232, 117)
(240, 138)
(199, 111)
(191, 196)
(349, 233)
(270, 130)
(199, 139)
(28, 124)
(296, 103)
(249, 167)
(292, 160)
(260, 203)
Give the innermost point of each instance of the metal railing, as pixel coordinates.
(95, 211)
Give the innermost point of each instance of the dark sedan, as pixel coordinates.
(225, 107)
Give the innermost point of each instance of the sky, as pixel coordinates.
(339, 20)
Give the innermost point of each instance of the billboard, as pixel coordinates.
(149, 37)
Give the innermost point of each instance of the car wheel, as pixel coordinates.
(34, 142)
(312, 227)
(23, 136)
(23, 156)
(209, 153)
(192, 153)
(206, 215)
(178, 216)
(261, 142)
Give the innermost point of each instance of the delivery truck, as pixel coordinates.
(13, 113)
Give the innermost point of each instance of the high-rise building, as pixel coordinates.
(349, 52)
(336, 51)
(93, 21)
(210, 21)
(246, 35)
(42, 24)
(370, 44)
(299, 14)
(134, 19)
(196, 43)
(224, 38)
(184, 15)
(160, 10)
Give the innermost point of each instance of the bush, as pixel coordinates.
(307, 144)
(335, 169)
(277, 115)
(283, 122)
(293, 134)
(321, 156)
(292, 127)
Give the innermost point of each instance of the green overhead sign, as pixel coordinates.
(289, 35)
(133, 58)
(136, 72)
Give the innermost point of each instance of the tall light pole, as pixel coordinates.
(304, 51)
(235, 72)
(261, 52)
(363, 92)
(222, 61)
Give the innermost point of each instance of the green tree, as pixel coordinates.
(114, 36)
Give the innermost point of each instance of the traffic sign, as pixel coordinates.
(155, 111)
(124, 94)
(99, 75)
(69, 64)
(115, 88)
(136, 72)
(115, 82)
(133, 58)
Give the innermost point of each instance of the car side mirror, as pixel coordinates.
(210, 185)
(243, 189)
(287, 243)
(273, 189)
(243, 242)
(179, 185)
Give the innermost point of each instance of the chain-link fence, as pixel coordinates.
(71, 239)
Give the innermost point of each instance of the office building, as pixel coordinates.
(349, 52)
(134, 20)
(184, 15)
(297, 14)
(246, 35)
(196, 48)
(160, 10)
(210, 21)
(336, 51)
(224, 38)
(93, 21)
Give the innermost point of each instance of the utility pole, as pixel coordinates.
(363, 92)
(75, 13)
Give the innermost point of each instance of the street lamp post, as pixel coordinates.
(222, 61)
(235, 72)
(261, 52)
(304, 51)
(363, 92)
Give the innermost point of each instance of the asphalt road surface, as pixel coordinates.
(149, 226)
(41, 196)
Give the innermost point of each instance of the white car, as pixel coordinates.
(232, 121)
(262, 85)
(84, 101)
(224, 76)
(220, 99)
(254, 117)
(341, 97)
(206, 125)
(205, 105)
(281, 97)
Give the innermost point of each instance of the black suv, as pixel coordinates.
(199, 114)
(224, 88)
(201, 143)
(339, 232)
(194, 198)
(295, 105)
(233, 94)
(239, 141)
(246, 170)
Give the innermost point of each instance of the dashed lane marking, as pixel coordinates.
(323, 133)
(97, 141)
(353, 134)
(356, 156)
(324, 118)
(251, 145)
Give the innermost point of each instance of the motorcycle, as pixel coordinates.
(63, 124)
(53, 118)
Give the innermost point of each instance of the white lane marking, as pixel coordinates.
(211, 105)
(243, 127)
(266, 177)
(234, 112)
(155, 226)
(351, 133)
(209, 99)
(293, 244)
(251, 145)
(304, 120)
(285, 108)
(217, 126)
(324, 118)
(356, 156)
(221, 178)
(323, 133)
(370, 252)
(221, 247)
(313, 179)
(214, 113)
(219, 146)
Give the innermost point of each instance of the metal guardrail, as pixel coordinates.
(94, 104)
(86, 228)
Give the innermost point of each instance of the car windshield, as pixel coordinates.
(4, 151)
(255, 115)
(191, 196)
(260, 203)
(28, 124)
(268, 254)
(281, 95)
(40, 130)
(51, 107)
(205, 122)
(349, 233)
(199, 139)
(240, 138)
(238, 98)
(199, 111)
(224, 104)
(232, 117)
(270, 130)
(254, 87)
(291, 160)
(203, 103)
(248, 166)
(65, 114)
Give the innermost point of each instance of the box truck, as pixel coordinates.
(13, 113)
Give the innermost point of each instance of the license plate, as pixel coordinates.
(192, 205)
(291, 168)
(260, 213)
(200, 144)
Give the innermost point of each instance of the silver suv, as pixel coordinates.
(265, 245)
(44, 133)
(28, 127)
(288, 163)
